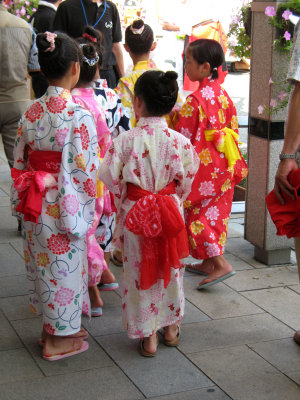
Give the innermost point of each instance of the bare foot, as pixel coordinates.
(150, 343)
(221, 268)
(95, 297)
(171, 332)
(107, 277)
(206, 266)
(58, 344)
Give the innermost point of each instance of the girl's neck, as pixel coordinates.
(63, 83)
(139, 57)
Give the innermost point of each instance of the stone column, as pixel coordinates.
(265, 138)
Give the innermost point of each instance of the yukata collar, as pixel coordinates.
(86, 92)
(153, 121)
(141, 65)
(58, 91)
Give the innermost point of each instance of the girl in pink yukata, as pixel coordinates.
(209, 119)
(84, 95)
(150, 170)
(54, 189)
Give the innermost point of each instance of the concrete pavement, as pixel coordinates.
(236, 336)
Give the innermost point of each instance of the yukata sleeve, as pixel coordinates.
(19, 163)
(190, 164)
(78, 175)
(188, 119)
(111, 172)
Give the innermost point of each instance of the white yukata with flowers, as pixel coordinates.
(149, 156)
(55, 247)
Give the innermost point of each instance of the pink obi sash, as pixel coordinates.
(32, 183)
(157, 219)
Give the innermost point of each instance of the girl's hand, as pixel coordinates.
(282, 184)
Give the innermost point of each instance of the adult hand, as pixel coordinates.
(282, 184)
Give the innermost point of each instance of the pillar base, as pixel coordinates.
(272, 257)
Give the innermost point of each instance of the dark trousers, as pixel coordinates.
(110, 76)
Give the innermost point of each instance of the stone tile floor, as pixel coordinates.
(236, 336)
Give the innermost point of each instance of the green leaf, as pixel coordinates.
(79, 214)
(77, 295)
(70, 155)
(70, 160)
(73, 251)
(76, 234)
(51, 139)
(63, 190)
(70, 256)
(43, 272)
(62, 327)
(75, 302)
(57, 324)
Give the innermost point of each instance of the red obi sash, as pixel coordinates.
(157, 219)
(31, 183)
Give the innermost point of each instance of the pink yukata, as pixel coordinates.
(150, 156)
(96, 263)
(55, 248)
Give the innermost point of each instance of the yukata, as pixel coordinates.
(125, 88)
(150, 157)
(55, 173)
(208, 118)
(117, 121)
(86, 98)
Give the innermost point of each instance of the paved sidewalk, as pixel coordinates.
(236, 337)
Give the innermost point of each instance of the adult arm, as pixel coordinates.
(33, 62)
(117, 50)
(290, 146)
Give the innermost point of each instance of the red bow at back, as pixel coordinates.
(32, 184)
(157, 219)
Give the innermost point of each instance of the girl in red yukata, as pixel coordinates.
(208, 118)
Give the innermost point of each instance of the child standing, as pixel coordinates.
(209, 119)
(150, 171)
(139, 42)
(84, 95)
(54, 190)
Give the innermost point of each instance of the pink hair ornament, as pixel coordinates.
(50, 37)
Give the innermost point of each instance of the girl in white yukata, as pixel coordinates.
(150, 170)
(55, 172)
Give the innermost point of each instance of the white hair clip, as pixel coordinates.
(137, 31)
(91, 61)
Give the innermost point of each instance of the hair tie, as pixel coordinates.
(90, 61)
(215, 69)
(50, 37)
(137, 31)
(90, 37)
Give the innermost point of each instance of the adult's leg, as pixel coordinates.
(11, 114)
(297, 250)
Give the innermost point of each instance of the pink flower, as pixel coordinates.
(233, 42)
(282, 95)
(286, 15)
(270, 81)
(71, 204)
(212, 213)
(85, 308)
(207, 93)
(207, 188)
(236, 19)
(23, 11)
(28, 16)
(27, 3)
(64, 296)
(212, 250)
(270, 11)
(260, 109)
(34, 9)
(273, 103)
(60, 136)
(287, 35)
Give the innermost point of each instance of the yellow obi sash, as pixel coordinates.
(100, 184)
(225, 141)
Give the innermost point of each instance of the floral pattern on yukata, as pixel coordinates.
(150, 156)
(55, 248)
(208, 206)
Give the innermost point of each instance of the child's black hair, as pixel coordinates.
(139, 37)
(208, 50)
(55, 64)
(92, 51)
(158, 90)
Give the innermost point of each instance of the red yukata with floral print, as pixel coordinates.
(208, 207)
